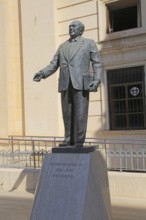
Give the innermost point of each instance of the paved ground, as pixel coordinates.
(128, 209)
(17, 205)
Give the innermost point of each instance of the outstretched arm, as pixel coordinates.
(49, 69)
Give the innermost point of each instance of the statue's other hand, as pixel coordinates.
(94, 85)
(38, 76)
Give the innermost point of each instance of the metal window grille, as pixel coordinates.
(127, 104)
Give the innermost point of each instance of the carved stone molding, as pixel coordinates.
(108, 1)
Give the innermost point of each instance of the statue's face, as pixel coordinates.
(74, 29)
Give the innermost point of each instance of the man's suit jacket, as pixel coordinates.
(76, 65)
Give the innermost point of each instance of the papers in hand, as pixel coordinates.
(87, 80)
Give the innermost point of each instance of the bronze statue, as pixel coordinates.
(75, 82)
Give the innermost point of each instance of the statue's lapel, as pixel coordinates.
(64, 50)
(68, 56)
(77, 47)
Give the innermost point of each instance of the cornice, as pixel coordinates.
(108, 1)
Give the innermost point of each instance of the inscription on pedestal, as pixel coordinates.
(64, 170)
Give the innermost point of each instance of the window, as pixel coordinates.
(127, 102)
(123, 15)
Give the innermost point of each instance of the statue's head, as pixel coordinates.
(76, 28)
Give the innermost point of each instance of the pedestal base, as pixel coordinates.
(73, 149)
(73, 186)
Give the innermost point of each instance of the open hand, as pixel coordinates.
(38, 76)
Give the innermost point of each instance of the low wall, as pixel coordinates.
(19, 179)
(121, 184)
(126, 184)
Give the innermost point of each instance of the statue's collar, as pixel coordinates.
(79, 38)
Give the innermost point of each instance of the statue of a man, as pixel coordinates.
(74, 57)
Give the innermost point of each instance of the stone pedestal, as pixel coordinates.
(73, 186)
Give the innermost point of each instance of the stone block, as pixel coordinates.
(73, 186)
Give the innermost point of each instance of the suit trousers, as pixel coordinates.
(75, 114)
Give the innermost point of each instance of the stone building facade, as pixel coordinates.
(31, 33)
